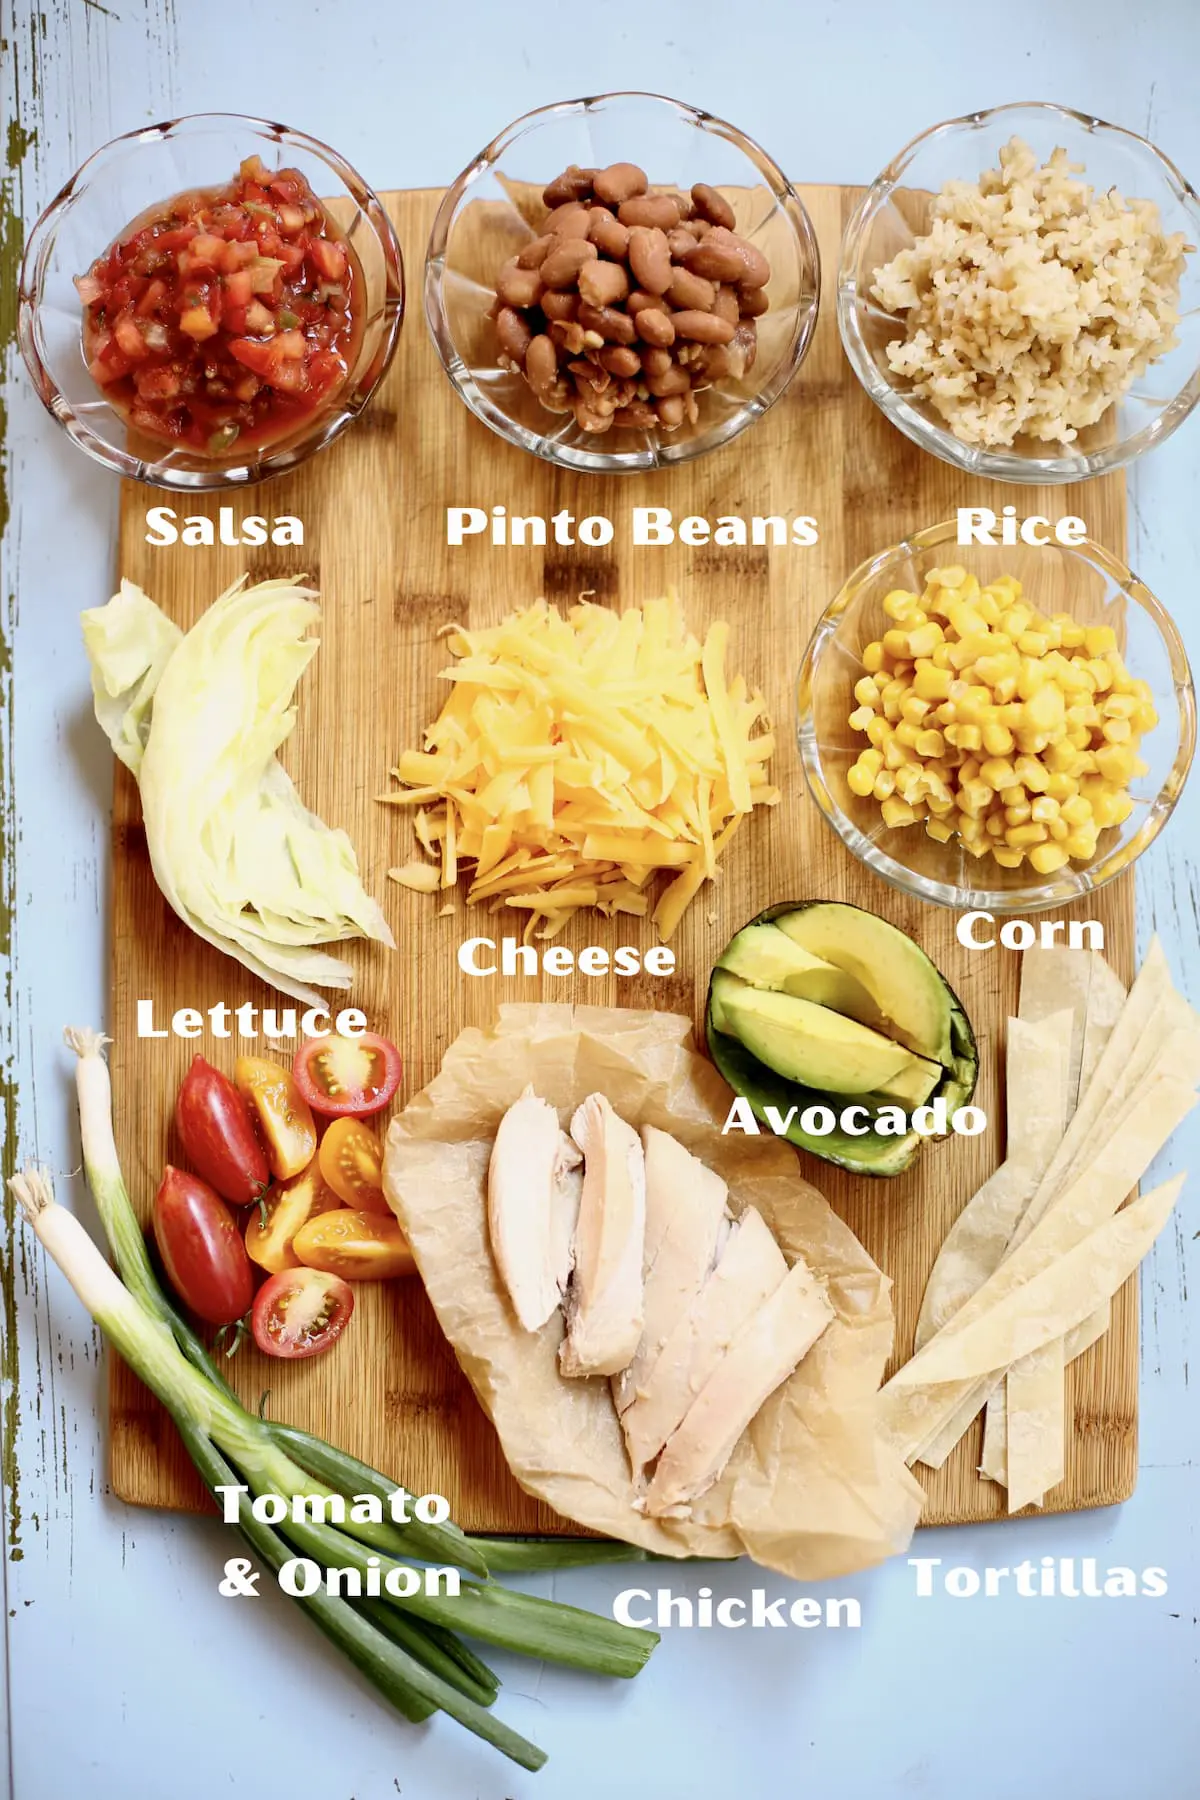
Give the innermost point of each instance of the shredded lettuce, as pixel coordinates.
(199, 718)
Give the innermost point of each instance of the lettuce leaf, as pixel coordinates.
(199, 718)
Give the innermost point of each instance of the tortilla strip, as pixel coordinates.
(1106, 1001)
(1046, 1294)
(1038, 1086)
(943, 1439)
(1034, 1449)
(1053, 981)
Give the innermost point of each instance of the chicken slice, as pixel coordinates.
(685, 1225)
(528, 1188)
(750, 1269)
(604, 1300)
(773, 1343)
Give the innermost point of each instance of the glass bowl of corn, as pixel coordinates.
(1002, 727)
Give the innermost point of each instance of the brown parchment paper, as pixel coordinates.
(812, 1489)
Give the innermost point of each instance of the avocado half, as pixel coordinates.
(892, 1019)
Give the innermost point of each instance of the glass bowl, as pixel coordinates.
(123, 180)
(492, 209)
(895, 210)
(1095, 588)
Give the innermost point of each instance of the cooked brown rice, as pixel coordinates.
(1031, 303)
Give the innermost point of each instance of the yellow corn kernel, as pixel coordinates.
(1076, 810)
(1045, 858)
(1031, 679)
(975, 797)
(1117, 731)
(1062, 787)
(967, 620)
(941, 657)
(1019, 813)
(900, 602)
(1061, 759)
(1031, 774)
(1059, 830)
(884, 784)
(1021, 836)
(1099, 639)
(924, 639)
(895, 644)
(987, 606)
(1145, 718)
(872, 658)
(964, 737)
(939, 830)
(1007, 857)
(871, 759)
(866, 692)
(1014, 795)
(971, 830)
(897, 812)
(968, 769)
(1101, 674)
(913, 708)
(930, 743)
(998, 772)
(997, 667)
(878, 731)
(860, 781)
(1015, 619)
(1115, 763)
(940, 804)
(931, 683)
(1072, 634)
(952, 576)
(997, 738)
(1120, 706)
(976, 846)
(910, 783)
(1044, 809)
(906, 733)
(1005, 690)
(895, 754)
(1046, 710)
(994, 824)
(1033, 643)
(860, 718)
(1081, 845)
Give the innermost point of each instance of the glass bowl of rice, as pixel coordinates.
(1019, 293)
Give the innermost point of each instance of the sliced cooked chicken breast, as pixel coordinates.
(772, 1343)
(685, 1225)
(604, 1300)
(750, 1269)
(529, 1179)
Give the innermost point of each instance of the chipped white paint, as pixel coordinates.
(114, 1613)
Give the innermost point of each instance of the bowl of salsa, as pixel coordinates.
(209, 301)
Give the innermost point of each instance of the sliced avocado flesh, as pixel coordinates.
(803, 1042)
(869, 1154)
(913, 1001)
(768, 958)
(912, 1086)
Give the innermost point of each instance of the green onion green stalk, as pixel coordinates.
(407, 1646)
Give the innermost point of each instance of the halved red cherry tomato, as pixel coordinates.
(348, 1077)
(282, 1113)
(271, 1228)
(351, 1162)
(217, 1135)
(201, 1248)
(300, 1312)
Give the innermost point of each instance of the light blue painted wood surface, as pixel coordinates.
(127, 1676)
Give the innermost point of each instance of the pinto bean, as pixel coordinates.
(752, 302)
(603, 283)
(610, 237)
(637, 415)
(712, 206)
(655, 360)
(691, 292)
(650, 258)
(669, 411)
(573, 184)
(612, 325)
(703, 327)
(561, 268)
(514, 334)
(534, 255)
(725, 304)
(659, 210)
(559, 306)
(717, 258)
(656, 327)
(569, 221)
(619, 182)
(757, 268)
(743, 349)
(620, 360)
(519, 287)
(680, 241)
(672, 381)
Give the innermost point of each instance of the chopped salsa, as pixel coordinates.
(224, 318)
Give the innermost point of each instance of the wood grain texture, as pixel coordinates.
(373, 508)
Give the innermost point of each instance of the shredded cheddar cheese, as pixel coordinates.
(579, 759)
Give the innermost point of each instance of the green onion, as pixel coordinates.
(405, 1645)
(516, 1556)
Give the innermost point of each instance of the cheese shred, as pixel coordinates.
(578, 759)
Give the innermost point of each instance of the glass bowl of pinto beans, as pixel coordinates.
(209, 301)
(996, 727)
(621, 283)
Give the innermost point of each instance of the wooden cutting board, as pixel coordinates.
(373, 510)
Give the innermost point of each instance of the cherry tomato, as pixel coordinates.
(282, 1113)
(351, 1161)
(201, 1248)
(348, 1076)
(300, 1312)
(360, 1246)
(288, 1206)
(217, 1135)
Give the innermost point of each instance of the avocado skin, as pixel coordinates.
(762, 1087)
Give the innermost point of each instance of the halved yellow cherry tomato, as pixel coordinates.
(289, 1205)
(351, 1161)
(281, 1111)
(358, 1246)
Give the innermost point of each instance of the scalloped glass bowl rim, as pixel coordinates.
(893, 402)
(273, 462)
(538, 443)
(1073, 883)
